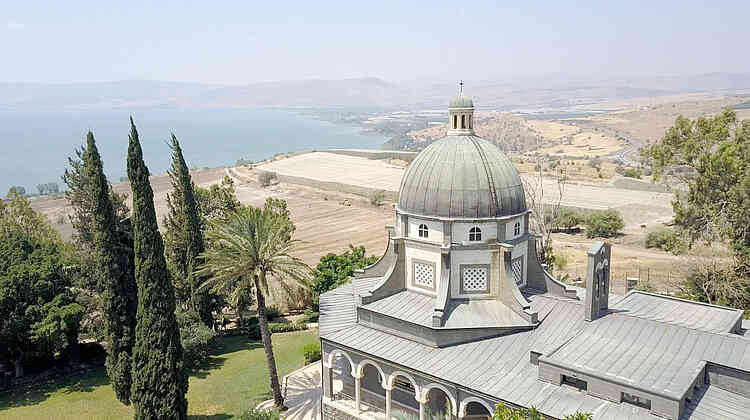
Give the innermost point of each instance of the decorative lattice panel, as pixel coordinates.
(424, 275)
(474, 279)
(517, 266)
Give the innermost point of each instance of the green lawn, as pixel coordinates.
(233, 379)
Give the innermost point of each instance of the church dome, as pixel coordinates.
(461, 101)
(462, 177)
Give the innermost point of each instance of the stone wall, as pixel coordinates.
(332, 413)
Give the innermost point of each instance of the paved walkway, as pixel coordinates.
(303, 393)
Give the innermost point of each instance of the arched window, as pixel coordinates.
(475, 234)
(422, 231)
(455, 121)
(517, 228)
(463, 121)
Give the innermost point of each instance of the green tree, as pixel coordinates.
(91, 281)
(105, 235)
(16, 215)
(38, 312)
(159, 379)
(253, 249)
(711, 156)
(604, 224)
(183, 237)
(502, 412)
(217, 201)
(716, 153)
(333, 270)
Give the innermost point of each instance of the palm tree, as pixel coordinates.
(253, 249)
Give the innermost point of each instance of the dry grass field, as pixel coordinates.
(647, 123)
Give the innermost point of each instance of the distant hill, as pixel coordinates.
(367, 91)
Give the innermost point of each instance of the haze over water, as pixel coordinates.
(36, 144)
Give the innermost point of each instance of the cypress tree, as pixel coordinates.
(159, 379)
(114, 268)
(184, 236)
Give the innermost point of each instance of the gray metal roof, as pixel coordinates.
(417, 308)
(647, 354)
(461, 101)
(652, 351)
(462, 177)
(704, 317)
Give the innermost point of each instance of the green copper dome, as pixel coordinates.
(462, 177)
(461, 101)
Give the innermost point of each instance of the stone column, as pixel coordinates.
(421, 409)
(388, 390)
(357, 392)
(327, 377)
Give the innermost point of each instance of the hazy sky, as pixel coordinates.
(250, 41)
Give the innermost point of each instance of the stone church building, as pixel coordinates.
(459, 315)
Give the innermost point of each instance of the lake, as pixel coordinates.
(36, 145)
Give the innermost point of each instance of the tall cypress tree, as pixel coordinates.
(159, 379)
(114, 268)
(184, 236)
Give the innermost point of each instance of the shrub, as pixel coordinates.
(377, 198)
(561, 260)
(632, 173)
(273, 312)
(604, 224)
(281, 327)
(311, 316)
(311, 352)
(195, 336)
(266, 178)
(667, 240)
(254, 414)
(567, 219)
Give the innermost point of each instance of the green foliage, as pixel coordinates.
(566, 219)
(218, 201)
(311, 316)
(716, 151)
(252, 249)
(283, 327)
(17, 216)
(667, 240)
(254, 414)
(48, 188)
(195, 336)
(311, 353)
(38, 313)
(717, 283)
(632, 173)
(183, 239)
(16, 190)
(377, 198)
(265, 178)
(159, 378)
(604, 224)
(333, 270)
(506, 413)
(712, 157)
(272, 312)
(104, 239)
(561, 260)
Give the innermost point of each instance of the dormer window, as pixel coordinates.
(422, 231)
(517, 228)
(475, 234)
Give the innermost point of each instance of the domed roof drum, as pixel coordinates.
(462, 177)
(461, 101)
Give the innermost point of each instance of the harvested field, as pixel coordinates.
(327, 167)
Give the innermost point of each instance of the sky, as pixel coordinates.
(227, 42)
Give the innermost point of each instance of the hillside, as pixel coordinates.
(507, 131)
